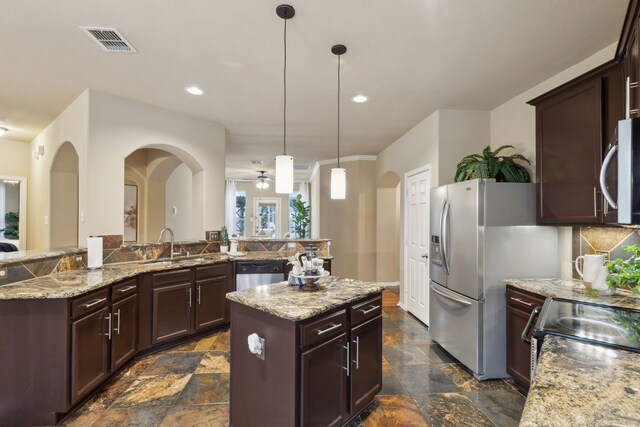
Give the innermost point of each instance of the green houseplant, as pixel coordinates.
(625, 272)
(11, 226)
(300, 215)
(490, 164)
(224, 239)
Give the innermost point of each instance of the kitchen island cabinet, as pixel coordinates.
(322, 356)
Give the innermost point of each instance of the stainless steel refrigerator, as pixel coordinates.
(482, 232)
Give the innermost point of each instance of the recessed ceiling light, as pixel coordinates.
(194, 90)
(359, 99)
(3, 131)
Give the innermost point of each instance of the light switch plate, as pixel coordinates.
(291, 245)
(3, 272)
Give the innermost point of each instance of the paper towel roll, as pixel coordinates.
(94, 252)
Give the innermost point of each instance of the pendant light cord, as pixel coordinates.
(339, 57)
(285, 89)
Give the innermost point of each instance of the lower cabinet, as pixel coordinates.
(124, 335)
(172, 306)
(211, 303)
(366, 366)
(324, 383)
(520, 304)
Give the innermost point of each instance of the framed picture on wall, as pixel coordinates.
(130, 213)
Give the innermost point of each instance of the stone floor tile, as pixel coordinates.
(451, 410)
(83, 418)
(408, 321)
(423, 379)
(503, 406)
(147, 417)
(222, 342)
(387, 411)
(174, 363)
(205, 388)
(418, 335)
(437, 354)
(463, 378)
(387, 323)
(214, 362)
(160, 390)
(394, 337)
(405, 354)
(197, 416)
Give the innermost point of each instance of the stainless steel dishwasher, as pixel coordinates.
(250, 274)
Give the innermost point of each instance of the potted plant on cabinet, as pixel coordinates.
(224, 239)
(490, 164)
(301, 216)
(625, 273)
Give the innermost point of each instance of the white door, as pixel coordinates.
(416, 274)
(267, 216)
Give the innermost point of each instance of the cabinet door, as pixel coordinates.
(324, 384)
(211, 303)
(569, 155)
(518, 353)
(124, 335)
(172, 312)
(89, 353)
(366, 363)
(632, 72)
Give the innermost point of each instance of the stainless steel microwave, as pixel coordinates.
(620, 175)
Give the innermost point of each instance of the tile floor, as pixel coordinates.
(188, 385)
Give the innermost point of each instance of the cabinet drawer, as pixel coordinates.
(89, 303)
(323, 328)
(366, 310)
(124, 289)
(208, 271)
(523, 300)
(169, 277)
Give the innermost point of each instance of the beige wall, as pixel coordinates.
(314, 199)
(178, 195)
(350, 223)
(14, 161)
(104, 129)
(388, 228)
(514, 123)
(254, 192)
(63, 218)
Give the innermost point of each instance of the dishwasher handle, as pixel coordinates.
(527, 329)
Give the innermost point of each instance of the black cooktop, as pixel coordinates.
(611, 326)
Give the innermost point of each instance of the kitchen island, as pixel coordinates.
(319, 354)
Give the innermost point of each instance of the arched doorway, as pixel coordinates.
(388, 203)
(64, 197)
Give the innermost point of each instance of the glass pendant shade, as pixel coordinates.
(284, 174)
(338, 183)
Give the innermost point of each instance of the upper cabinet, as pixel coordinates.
(575, 123)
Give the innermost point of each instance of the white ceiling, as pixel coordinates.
(410, 57)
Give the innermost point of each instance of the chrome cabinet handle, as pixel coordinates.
(198, 296)
(333, 326)
(630, 85)
(603, 172)
(127, 289)
(595, 201)
(95, 302)
(108, 334)
(348, 365)
(522, 301)
(371, 308)
(189, 292)
(357, 361)
(463, 302)
(117, 328)
(525, 334)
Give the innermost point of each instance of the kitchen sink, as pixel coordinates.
(159, 263)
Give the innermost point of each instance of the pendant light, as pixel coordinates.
(338, 175)
(284, 163)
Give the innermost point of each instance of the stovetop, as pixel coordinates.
(610, 326)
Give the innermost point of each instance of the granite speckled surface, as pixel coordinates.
(77, 282)
(574, 290)
(291, 303)
(583, 384)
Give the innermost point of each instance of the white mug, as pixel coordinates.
(591, 264)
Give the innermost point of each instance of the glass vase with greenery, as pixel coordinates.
(300, 215)
(490, 164)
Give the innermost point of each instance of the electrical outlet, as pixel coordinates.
(79, 258)
(291, 245)
(3, 272)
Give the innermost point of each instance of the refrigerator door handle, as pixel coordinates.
(445, 236)
(463, 302)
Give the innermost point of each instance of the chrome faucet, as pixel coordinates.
(160, 240)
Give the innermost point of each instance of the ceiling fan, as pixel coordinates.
(263, 180)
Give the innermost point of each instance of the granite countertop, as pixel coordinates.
(578, 383)
(77, 282)
(574, 290)
(31, 255)
(291, 303)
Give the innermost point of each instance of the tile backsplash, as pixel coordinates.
(609, 240)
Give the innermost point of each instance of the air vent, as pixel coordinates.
(300, 167)
(109, 39)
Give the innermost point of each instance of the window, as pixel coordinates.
(241, 211)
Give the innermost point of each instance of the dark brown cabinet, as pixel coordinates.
(520, 304)
(172, 311)
(124, 332)
(324, 383)
(366, 366)
(89, 353)
(211, 303)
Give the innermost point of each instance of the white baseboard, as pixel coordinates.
(402, 306)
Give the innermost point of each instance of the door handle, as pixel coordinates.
(357, 361)
(189, 292)
(333, 326)
(603, 172)
(117, 328)
(98, 301)
(198, 296)
(127, 289)
(371, 308)
(521, 301)
(425, 256)
(108, 334)
(348, 365)
(444, 236)
(463, 302)
(530, 322)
